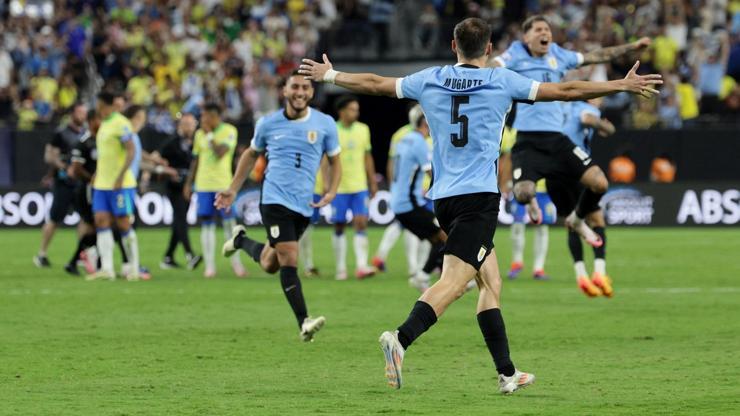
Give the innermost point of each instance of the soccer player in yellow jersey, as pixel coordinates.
(355, 189)
(114, 188)
(211, 171)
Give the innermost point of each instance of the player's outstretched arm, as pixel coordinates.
(583, 90)
(246, 163)
(607, 54)
(335, 167)
(365, 83)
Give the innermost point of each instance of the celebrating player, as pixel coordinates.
(114, 188)
(582, 120)
(213, 151)
(295, 139)
(465, 106)
(412, 161)
(358, 175)
(541, 150)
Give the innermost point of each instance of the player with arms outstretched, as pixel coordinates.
(295, 139)
(465, 106)
(541, 150)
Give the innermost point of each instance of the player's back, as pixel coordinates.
(410, 162)
(114, 131)
(465, 108)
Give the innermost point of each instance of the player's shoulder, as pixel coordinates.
(362, 126)
(323, 119)
(514, 51)
(559, 51)
(229, 129)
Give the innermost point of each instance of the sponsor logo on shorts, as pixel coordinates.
(481, 253)
(275, 231)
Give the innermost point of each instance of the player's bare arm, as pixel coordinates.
(335, 168)
(370, 171)
(607, 54)
(187, 189)
(130, 154)
(325, 173)
(364, 83)
(583, 90)
(603, 126)
(246, 163)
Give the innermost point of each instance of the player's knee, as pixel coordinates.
(270, 266)
(600, 185)
(287, 255)
(524, 192)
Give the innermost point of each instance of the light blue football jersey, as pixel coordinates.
(294, 150)
(465, 108)
(541, 116)
(412, 159)
(135, 166)
(578, 133)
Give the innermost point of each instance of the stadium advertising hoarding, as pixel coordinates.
(680, 204)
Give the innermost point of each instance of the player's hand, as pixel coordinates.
(224, 199)
(641, 84)
(187, 191)
(325, 200)
(313, 70)
(642, 43)
(606, 128)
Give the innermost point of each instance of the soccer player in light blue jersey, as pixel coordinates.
(412, 160)
(465, 106)
(541, 150)
(295, 139)
(582, 121)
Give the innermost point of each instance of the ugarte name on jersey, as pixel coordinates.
(461, 83)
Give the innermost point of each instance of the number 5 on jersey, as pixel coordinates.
(461, 139)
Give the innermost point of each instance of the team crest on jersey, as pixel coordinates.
(552, 62)
(481, 253)
(313, 135)
(275, 231)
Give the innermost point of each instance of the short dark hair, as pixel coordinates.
(212, 108)
(344, 101)
(532, 20)
(472, 35)
(106, 97)
(294, 73)
(131, 111)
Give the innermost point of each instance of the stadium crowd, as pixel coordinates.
(171, 56)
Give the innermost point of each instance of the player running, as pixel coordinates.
(295, 139)
(582, 120)
(114, 188)
(465, 106)
(541, 150)
(355, 190)
(413, 161)
(213, 156)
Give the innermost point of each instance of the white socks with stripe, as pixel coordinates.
(305, 248)
(208, 245)
(361, 249)
(541, 242)
(411, 245)
(390, 236)
(339, 242)
(105, 245)
(517, 242)
(131, 245)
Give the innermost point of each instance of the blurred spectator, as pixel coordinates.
(713, 55)
(662, 170)
(665, 49)
(44, 91)
(27, 115)
(622, 169)
(669, 113)
(67, 94)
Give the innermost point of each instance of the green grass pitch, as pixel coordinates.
(668, 343)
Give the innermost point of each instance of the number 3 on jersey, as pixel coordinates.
(461, 139)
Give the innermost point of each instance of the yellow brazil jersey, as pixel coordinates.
(355, 142)
(114, 131)
(318, 189)
(507, 143)
(214, 174)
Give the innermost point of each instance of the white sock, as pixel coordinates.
(600, 266)
(411, 245)
(425, 247)
(105, 245)
(361, 249)
(390, 236)
(131, 245)
(305, 248)
(541, 242)
(580, 268)
(517, 242)
(208, 245)
(340, 252)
